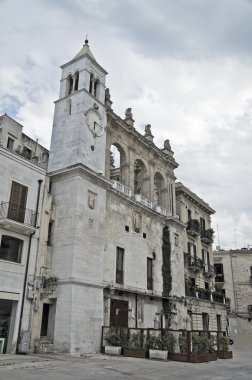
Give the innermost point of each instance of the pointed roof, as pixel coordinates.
(85, 51)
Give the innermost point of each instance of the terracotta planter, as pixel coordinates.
(225, 354)
(135, 353)
(158, 354)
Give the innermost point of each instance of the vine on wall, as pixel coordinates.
(166, 271)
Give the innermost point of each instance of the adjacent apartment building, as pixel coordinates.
(120, 242)
(234, 279)
(23, 165)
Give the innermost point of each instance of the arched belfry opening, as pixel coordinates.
(76, 81)
(69, 86)
(159, 190)
(117, 164)
(91, 82)
(141, 181)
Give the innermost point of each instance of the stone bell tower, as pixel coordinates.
(78, 134)
(77, 160)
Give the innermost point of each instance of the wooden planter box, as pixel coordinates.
(135, 353)
(212, 356)
(158, 354)
(113, 350)
(178, 357)
(198, 358)
(225, 354)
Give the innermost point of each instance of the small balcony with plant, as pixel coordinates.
(207, 236)
(193, 227)
(192, 262)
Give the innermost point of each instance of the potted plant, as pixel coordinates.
(114, 346)
(223, 351)
(200, 349)
(212, 354)
(160, 345)
(136, 345)
(182, 350)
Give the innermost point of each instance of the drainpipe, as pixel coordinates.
(234, 291)
(26, 272)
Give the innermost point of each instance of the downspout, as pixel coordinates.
(234, 291)
(26, 271)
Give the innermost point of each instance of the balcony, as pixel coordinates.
(120, 187)
(193, 227)
(207, 236)
(17, 219)
(192, 262)
(208, 270)
(163, 211)
(141, 199)
(204, 294)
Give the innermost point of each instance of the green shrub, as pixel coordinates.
(161, 342)
(202, 344)
(136, 341)
(224, 343)
(114, 340)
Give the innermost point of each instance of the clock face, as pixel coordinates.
(94, 122)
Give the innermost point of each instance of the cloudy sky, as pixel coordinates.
(183, 66)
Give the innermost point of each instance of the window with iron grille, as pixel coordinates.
(119, 265)
(149, 273)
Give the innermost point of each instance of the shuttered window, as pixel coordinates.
(17, 204)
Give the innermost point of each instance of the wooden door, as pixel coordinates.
(119, 313)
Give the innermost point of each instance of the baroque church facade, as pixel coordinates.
(125, 244)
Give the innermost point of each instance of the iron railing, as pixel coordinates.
(17, 213)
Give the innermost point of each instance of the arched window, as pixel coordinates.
(91, 83)
(96, 86)
(159, 185)
(117, 159)
(70, 85)
(76, 83)
(139, 177)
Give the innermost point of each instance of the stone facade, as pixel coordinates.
(205, 304)
(21, 195)
(109, 202)
(234, 279)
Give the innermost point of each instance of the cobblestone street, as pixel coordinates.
(103, 367)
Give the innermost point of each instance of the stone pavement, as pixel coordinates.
(104, 367)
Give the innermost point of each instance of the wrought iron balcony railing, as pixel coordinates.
(193, 227)
(207, 236)
(17, 213)
(192, 262)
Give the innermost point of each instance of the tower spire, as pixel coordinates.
(86, 40)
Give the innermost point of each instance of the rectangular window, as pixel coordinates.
(218, 322)
(27, 153)
(11, 249)
(10, 143)
(17, 203)
(202, 227)
(189, 215)
(119, 265)
(219, 274)
(149, 273)
(192, 250)
(205, 321)
(206, 259)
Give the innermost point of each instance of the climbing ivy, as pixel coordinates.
(166, 270)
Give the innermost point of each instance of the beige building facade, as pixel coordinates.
(22, 182)
(234, 279)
